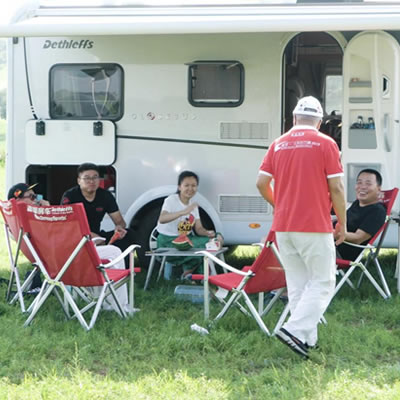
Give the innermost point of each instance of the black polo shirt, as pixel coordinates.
(368, 218)
(103, 203)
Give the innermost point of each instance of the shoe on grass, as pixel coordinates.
(292, 342)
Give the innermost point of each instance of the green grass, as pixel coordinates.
(155, 355)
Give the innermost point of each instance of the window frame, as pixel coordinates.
(101, 65)
(212, 104)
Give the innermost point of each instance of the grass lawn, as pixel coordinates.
(155, 355)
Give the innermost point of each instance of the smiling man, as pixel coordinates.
(366, 215)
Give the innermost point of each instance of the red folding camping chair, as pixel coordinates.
(13, 231)
(371, 252)
(264, 275)
(59, 240)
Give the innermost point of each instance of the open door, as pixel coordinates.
(313, 67)
(370, 133)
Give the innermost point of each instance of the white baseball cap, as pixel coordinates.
(309, 106)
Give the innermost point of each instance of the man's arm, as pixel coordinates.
(264, 187)
(336, 190)
(119, 222)
(357, 237)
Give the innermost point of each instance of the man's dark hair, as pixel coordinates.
(372, 171)
(87, 167)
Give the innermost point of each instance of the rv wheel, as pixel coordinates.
(143, 229)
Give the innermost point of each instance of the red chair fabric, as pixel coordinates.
(9, 213)
(268, 273)
(264, 275)
(59, 238)
(13, 231)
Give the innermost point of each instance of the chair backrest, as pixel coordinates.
(55, 231)
(9, 211)
(389, 197)
(269, 274)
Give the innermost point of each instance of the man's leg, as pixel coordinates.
(317, 251)
(295, 270)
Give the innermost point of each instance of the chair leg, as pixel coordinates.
(374, 282)
(162, 266)
(282, 319)
(20, 289)
(255, 314)
(75, 309)
(272, 301)
(344, 278)
(41, 299)
(10, 284)
(348, 281)
(98, 306)
(226, 307)
(382, 278)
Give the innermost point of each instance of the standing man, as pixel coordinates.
(307, 172)
(97, 203)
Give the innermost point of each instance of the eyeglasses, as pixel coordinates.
(90, 178)
(31, 196)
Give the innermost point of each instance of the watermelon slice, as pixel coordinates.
(182, 242)
(114, 237)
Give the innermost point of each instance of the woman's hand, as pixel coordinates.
(211, 234)
(189, 209)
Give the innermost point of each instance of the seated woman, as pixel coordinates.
(180, 214)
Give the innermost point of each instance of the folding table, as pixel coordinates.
(165, 252)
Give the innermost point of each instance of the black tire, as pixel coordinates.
(146, 224)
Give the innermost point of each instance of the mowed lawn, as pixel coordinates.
(155, 355)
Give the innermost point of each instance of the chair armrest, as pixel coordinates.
(367, 246)
(116, 260)
(223, 264)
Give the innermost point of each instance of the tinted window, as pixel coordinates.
(216, 83)
(86, 91)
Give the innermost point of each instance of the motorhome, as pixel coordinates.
(146, 89)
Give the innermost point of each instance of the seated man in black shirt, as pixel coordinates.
(97, 203)
(365, 216)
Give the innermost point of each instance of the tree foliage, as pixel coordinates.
(3, 103)
(3, 64)
(3, 52)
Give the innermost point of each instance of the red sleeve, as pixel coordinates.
(267, 163)
(333, 165)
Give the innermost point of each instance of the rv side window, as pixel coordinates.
(216, 83)
(333, 94)
(86, 91)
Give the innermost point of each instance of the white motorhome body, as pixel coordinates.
(148, 90)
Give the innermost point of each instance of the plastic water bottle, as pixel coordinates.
(199, 329)
(192, 293)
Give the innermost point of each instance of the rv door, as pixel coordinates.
(370, 133)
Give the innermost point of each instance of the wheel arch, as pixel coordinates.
(155, 197)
